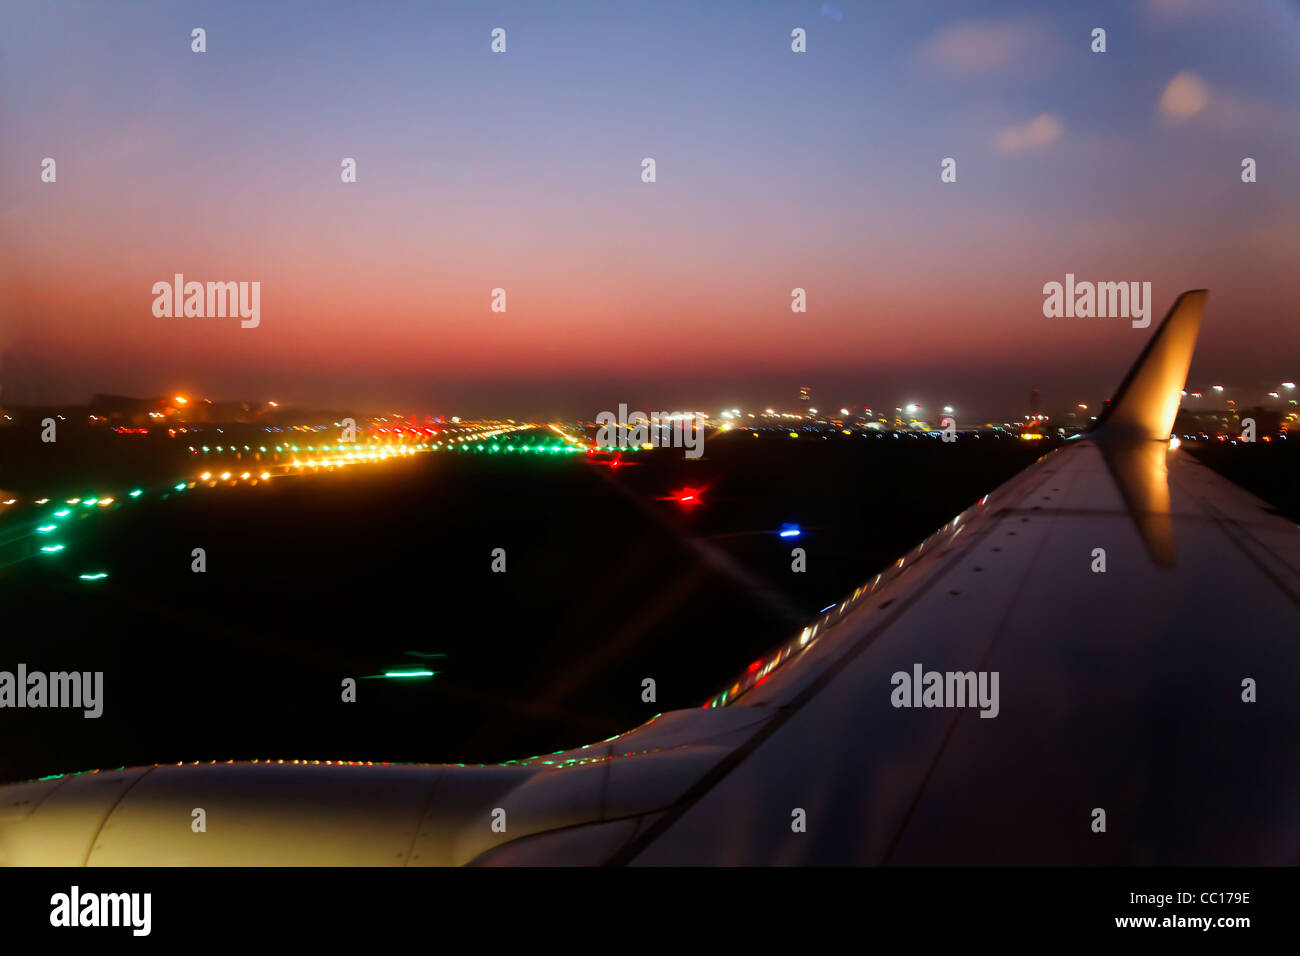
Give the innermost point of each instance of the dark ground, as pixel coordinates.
(1268, 470)
(310, 580)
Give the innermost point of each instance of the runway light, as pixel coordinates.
(687, 497)
(137, 493)
(405, 674)
(790, 531)
(46, 529)
(1174, 442)
(52, 548)
(62, 514)
(98, 576)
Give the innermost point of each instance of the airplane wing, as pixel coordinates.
(1097, 663)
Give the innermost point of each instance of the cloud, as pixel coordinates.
(1238, 115)
(1184, 96)
(1188, 96)
(1040, 131)
(984, 47)
(1184, 9)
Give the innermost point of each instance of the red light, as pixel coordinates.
(687, 497)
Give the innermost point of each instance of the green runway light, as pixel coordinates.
(137, 493)
(401, 674)
(179, 486)
(50, 549)
(99, 576)
(90, 501)
(62, 514)
(46, 528)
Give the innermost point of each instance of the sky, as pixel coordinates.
(522, 170)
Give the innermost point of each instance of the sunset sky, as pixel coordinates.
(522, 170)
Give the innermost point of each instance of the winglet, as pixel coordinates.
(1147, 400)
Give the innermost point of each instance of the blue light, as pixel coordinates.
(790, 531)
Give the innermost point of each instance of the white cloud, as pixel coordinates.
(1184, 9)
(984, 47)
(1184, 96)
(1040, 131)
